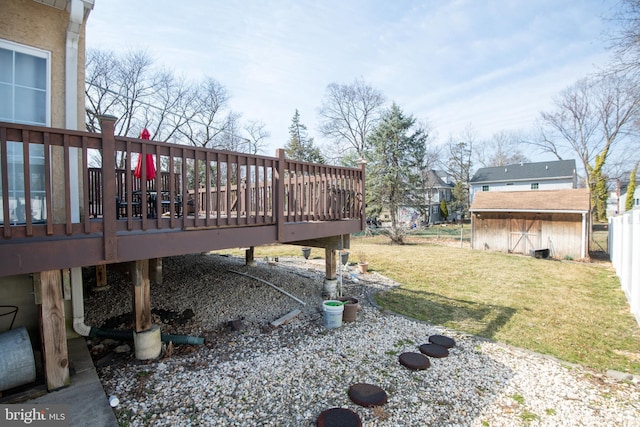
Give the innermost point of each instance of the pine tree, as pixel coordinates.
(300, 145)
(444, 212)
(393, 169)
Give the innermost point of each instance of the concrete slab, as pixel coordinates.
(88, 403)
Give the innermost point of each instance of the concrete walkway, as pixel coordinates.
(88, 404)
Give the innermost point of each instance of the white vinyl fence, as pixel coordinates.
(624, 250)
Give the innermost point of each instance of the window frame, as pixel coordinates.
(485, 187)
(535, 185)
(38, 53)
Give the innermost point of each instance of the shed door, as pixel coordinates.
(525, 235)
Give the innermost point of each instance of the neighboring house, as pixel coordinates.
(617, 200)
(552, 175)
(525, 221)
(438, 187)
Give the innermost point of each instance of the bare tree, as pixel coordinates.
(130, 89)
(459, 165)
(257, 132)
(591, 119)
(502, 149)
(349, 114)
(208, 118)
(626, 40)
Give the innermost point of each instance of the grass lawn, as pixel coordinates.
(573, 311)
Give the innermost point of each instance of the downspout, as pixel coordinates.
(76, 16)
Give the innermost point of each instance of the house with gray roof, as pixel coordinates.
(552, 175)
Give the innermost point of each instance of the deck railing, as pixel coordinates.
(52, 187)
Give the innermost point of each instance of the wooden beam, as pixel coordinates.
(248, 256)
(101, 275)
(141, 290)
(155, 270)
(53, 332)
(330, 263)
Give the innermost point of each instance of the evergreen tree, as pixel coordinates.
(393, 165)
(444, 212)
(300, 145)
(631, 189)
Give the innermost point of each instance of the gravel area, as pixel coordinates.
(260, 376)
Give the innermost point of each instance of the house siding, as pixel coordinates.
(39, 26)
(44, 27)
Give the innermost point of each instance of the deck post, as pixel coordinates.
(146, 336)
(101, 277)
(329, 288)
(279, 193)
(248, 257)
(53, 331)
(107, 124)
(155, 270)
(363, 205)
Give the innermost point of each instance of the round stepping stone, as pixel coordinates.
(442, 340)
(414, 361)
(367, 395)
(434, 350)
(338, 417)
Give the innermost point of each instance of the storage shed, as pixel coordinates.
(527, 221)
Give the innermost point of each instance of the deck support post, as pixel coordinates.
(330, 285)
(248, 257)
(146, 336)
(155, 270)
(101, 277)
(53, 330)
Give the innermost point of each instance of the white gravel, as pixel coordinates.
(287, 376)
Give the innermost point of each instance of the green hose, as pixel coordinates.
(127, 335)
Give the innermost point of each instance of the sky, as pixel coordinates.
(486, 65)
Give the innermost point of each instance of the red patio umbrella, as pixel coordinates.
(150, 166)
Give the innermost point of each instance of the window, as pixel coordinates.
(24, 84)
(485, 188)
(534, 185)
(24, 98)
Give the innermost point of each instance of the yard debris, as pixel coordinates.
(284, 319)
(270, 284)
(235, 325)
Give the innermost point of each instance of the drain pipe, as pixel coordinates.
(77, 299)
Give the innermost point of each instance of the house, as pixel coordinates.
(552, 175)
(616, 202)
(438, 185)
(58, 215)
(42, 46)
(525, 221)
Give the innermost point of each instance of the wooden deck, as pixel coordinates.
(67, 203)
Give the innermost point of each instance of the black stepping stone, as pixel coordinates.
(442, 340)
(434, 350)
(338, 417)
(414, 361)
(367, 395)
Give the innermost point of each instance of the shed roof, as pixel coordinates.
(573, 200)
(526, 171)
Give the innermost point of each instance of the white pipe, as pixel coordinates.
(76, 15)
(77, 301)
